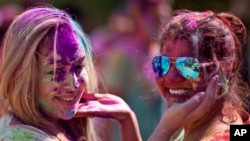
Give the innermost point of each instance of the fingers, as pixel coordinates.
(192, 103)
(180, 113)
(102, 105)
(91, 109)
(212, 91)
(92, 97)
(107, 99)
(94, 112)
(97, 109)
(89, 96)
(95, 96)
(206, 103)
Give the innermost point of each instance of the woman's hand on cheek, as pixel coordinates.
(186, 113)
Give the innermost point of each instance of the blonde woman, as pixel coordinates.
(49, 83)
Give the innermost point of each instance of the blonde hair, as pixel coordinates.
(19, 81)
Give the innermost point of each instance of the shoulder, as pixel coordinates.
(22, 132)
(245, 117)
(15, 132)
(225, 136)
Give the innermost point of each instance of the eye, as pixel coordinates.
(78, 68)
(50, 72)
(56, 72)
(59, 71)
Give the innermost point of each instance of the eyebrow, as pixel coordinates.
(60, 64)
(81, 59)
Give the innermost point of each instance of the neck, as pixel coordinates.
(200, 129)
(58, 129)
(195, 131)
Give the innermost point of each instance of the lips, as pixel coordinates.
(179, 91)
(180, 94)
(66, 99)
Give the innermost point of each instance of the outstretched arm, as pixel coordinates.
(111, 106)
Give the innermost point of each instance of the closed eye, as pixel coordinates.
(78, 68)
(58, 71)
(79, 65)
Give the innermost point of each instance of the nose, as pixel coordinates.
(173, 76)
(72, 81)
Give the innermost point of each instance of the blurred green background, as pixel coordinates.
(95, 12)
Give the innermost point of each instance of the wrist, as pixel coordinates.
(128, 117)
(129, 127)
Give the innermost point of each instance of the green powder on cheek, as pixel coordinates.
(44, 105)
(47, 78)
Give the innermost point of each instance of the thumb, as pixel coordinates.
(192, 103)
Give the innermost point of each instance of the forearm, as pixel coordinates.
(160, 134)
(130, 129)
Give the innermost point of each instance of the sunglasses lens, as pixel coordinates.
(161, 65)
(188, 67)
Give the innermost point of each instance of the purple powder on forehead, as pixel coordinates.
(67, 45)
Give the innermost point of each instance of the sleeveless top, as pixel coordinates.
(226, 135)
(218, 137)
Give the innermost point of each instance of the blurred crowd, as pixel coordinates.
(121, 46)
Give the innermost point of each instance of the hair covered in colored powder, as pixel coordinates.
(20, 58)
(65, 51)
(217, 38)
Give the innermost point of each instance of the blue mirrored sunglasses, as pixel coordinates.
(188, 67)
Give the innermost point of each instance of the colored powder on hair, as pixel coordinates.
(67, 45)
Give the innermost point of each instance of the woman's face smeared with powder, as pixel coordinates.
(62, 74)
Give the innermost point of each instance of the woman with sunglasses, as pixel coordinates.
(49, 83)
(197, 72)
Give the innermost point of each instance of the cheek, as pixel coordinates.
(83, 79)
(199, 84)
(159, 82)
(47, 78)
(44, 104)
(206, 73)
(49, 84)
(48, 87)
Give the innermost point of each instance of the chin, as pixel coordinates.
(69, 114)
(174, 101)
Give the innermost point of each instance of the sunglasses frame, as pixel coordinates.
(174, 62)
